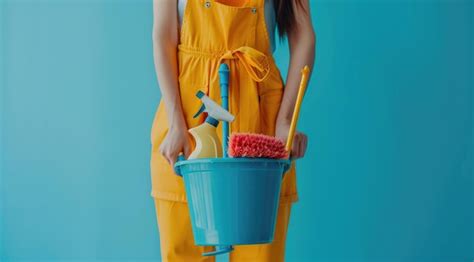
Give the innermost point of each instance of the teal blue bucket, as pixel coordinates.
(232, 201)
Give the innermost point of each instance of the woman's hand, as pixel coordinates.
(175, 142)
(300, 141)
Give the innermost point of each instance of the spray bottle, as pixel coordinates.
(208, 144)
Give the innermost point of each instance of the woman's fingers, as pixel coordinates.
(168, 154)
(175, 143)
(304, 144)
(296, 146)
(172, 157)
(299, 145)
(163, 151)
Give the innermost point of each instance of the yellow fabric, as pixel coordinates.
(177, 243)
(213, 32)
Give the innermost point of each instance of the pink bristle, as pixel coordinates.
(256, 145)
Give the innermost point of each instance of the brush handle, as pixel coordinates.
(296, 112)
(224, 88)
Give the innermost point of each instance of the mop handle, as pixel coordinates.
(296, 112)
(224, 86)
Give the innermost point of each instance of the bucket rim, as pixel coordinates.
(232, 160)
(286, 163)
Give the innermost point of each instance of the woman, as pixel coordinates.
(191, 38)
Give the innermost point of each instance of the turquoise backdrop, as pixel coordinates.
(388, 174)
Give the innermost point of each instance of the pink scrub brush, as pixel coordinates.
(256, 145)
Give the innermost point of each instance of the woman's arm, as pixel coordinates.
(302, 42)
(165, 43)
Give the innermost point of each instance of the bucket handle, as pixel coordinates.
(177, 170)
(219, 250)
(287, 165)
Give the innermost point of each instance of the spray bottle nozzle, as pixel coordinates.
(200, 94)
(213, 109)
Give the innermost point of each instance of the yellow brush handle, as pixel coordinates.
(296, 112)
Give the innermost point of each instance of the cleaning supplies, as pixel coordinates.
(263, 146)
(223, 194)
(208, 144)
(256, 145)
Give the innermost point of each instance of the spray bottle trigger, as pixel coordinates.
(203, 107)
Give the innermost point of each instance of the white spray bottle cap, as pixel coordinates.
(213, 109)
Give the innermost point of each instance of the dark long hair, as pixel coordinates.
(285, 15)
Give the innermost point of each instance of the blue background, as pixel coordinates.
(388, 175)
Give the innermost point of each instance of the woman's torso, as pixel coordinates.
(270, 19)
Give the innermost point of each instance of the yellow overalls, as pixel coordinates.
(213, 32)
